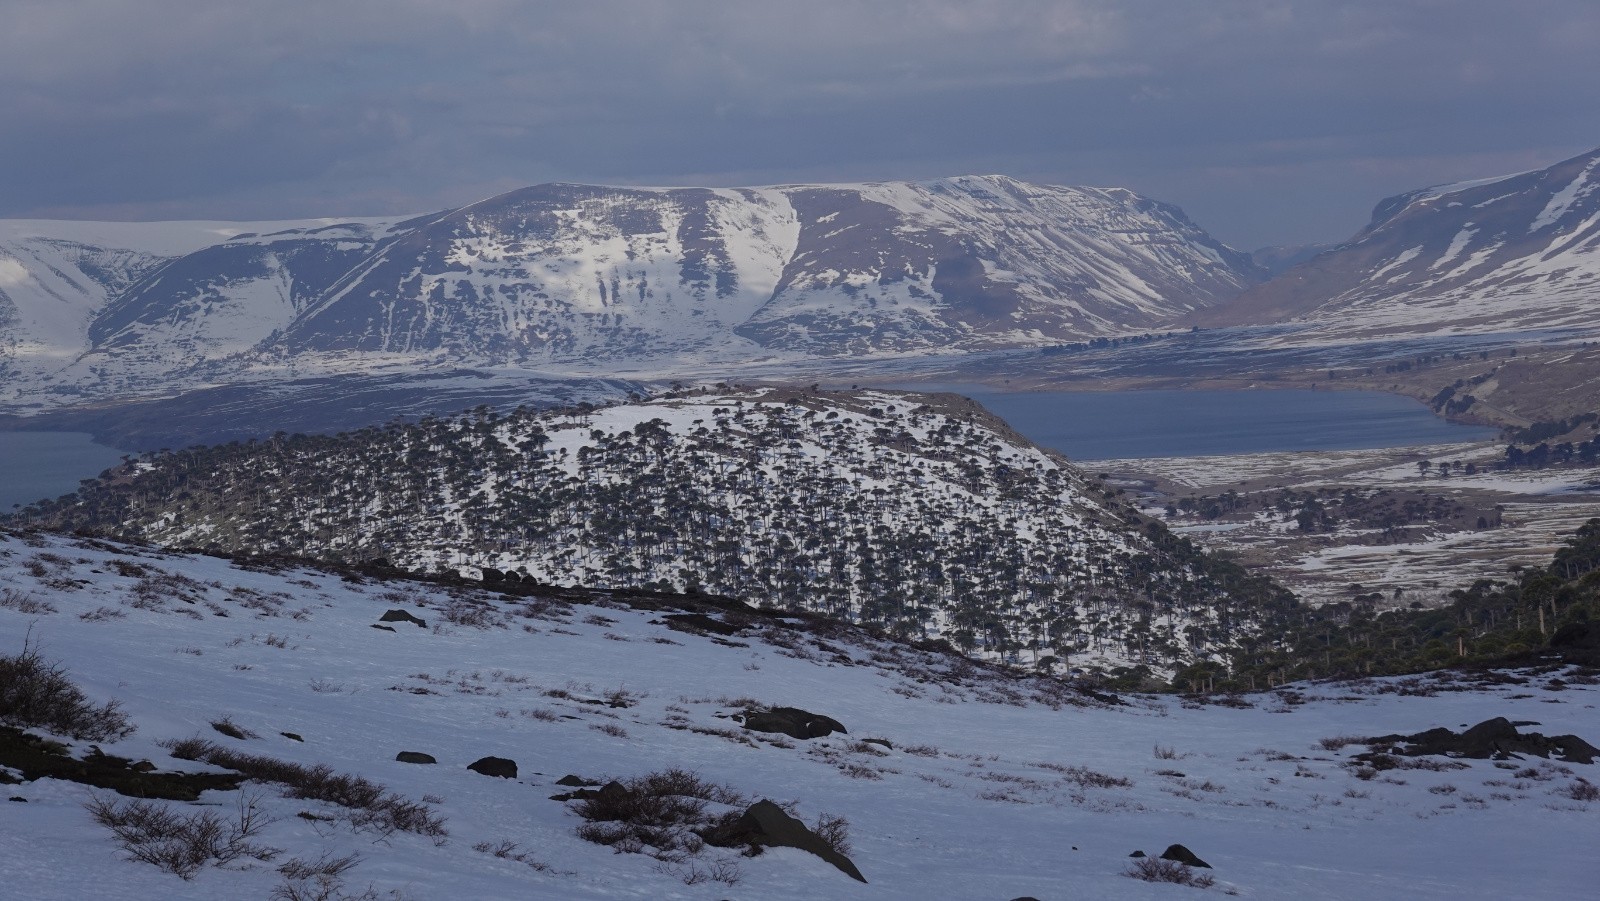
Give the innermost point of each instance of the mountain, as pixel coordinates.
(921, 514)
(590, 279)
(1515, 253)
(953, 779)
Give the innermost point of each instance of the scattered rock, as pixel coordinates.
(291, 736)
(19, 799)
(1184, 856)
(1138, 854)
(575, 781)
(397, 615)
(765, 824)
(494, 766)
(383, 627)
(419, 757)
(792, 721)
(1497, 738)
(877, 741)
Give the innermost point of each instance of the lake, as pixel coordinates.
(1107, 425)
(39, 465)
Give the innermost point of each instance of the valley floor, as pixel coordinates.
(1438, 546)
(996, 786)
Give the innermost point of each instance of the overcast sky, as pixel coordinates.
(1269, 121)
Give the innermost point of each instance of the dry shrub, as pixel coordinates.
(1337, 742)
(665, 812)
(24, 603)
(37, 693)
(371, 804)
(1156, 869)
(179, 843)
(1583, 790)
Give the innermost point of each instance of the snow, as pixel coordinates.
(1457, 244)
(971, 803)
(1579, 187)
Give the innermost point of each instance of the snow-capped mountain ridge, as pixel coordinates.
(579, 277)
(1512, 253)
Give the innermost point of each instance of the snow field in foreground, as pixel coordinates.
(980, 797)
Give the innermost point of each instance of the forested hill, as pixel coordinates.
(920, 513)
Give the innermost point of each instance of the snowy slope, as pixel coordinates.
(1520, 252)
(68, 287)
(588, 279)
(987, 261)
(53, 281)
(995, 787)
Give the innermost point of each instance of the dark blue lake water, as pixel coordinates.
(38, 465)
(1102, 425)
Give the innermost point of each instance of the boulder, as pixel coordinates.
(575, 781)
(419, 757)
(494, 766)
(397, 615)
(1184, 856)
(1496, 738)
(765, 824)
(793, 722)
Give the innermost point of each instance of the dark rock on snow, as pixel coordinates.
(400, 616)
(1184, 856)
(793, 722)
(494, 766)
(1497, 738)
(418, 757)
(765, 824)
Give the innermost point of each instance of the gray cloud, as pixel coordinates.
(1270, 121)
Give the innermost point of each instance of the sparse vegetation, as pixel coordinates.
(1156, 869)
(370, 804)
(183, 843)
(37, 693)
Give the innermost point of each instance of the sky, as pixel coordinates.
(1270, 122)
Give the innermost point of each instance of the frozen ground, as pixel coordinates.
(996, 786)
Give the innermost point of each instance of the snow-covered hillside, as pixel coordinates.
(956, 781)
(919, 513)
(585, 279)
(1520, 252)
